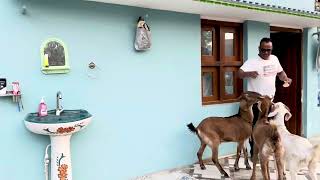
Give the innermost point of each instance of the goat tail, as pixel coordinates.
(192, 128)
(274, 135)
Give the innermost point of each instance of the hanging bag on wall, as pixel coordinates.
(317, 66)
(143, 36)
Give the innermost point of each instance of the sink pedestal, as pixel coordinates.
(59, 128)
(61, 168)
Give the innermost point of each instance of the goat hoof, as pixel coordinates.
(226, 176)
(202, 167)
(236, 168)
(248, 167)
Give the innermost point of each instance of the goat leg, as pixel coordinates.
(236, 163)
(254, 161)
(264, 165)
(293, 175)
(313, 175)
(268, 171)
(280, 169)
(284, 165)
(246, 161)
(199, 154)
(279, 159)
(293, 168)
(216, 161)
(313, 170)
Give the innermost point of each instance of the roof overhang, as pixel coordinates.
(231, 10)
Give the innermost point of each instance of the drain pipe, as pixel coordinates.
(46, 163)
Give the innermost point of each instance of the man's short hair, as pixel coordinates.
(266, 40)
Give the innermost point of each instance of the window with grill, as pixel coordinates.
(221, 58)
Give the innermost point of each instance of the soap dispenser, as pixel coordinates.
(42, 111)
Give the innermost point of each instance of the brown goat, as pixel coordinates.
(267, 142)
(214, 130)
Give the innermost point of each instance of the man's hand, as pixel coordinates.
(251, 74)
(283, 77)
(287, 82)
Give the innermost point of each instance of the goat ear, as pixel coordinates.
(259, 106)
(287, 116)
(272, 114)
(243, 105)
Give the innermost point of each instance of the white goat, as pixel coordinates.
(299, 152)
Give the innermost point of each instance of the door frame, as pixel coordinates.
(299, 104)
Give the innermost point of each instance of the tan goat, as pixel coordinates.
(267, 142)
(214, 130)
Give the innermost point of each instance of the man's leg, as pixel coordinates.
(255, 111)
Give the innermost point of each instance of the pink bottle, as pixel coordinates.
(42, 111)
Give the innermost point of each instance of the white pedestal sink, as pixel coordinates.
(59, 128)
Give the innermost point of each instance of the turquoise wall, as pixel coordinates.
(141, 102)
(310, 110)
(253, 32)
(307, 5)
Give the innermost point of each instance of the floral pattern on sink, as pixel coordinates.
(64, 130)
(62, 168)
(63, 172)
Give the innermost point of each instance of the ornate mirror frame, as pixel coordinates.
(54, 57)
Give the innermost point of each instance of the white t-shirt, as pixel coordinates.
(265, 82)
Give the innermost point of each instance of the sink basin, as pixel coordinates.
(69, 122)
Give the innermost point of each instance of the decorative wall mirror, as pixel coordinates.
(54, 57)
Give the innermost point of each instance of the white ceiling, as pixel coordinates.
(220, 12)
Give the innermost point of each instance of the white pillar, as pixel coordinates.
(61, 168)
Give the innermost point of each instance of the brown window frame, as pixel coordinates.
(218, 63)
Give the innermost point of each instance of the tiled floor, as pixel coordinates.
(194, 172)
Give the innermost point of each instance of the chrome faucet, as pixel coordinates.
(59, 108)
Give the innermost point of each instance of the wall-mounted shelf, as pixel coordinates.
(15, 98)
(9, 93)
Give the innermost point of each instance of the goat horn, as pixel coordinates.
(243, 96)
(252, 93)
(260, 97)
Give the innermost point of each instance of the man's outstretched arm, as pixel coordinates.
(283, 77)
(247, 74)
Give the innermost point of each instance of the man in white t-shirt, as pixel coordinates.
(261, 74)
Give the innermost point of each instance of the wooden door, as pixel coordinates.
(287, 47)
